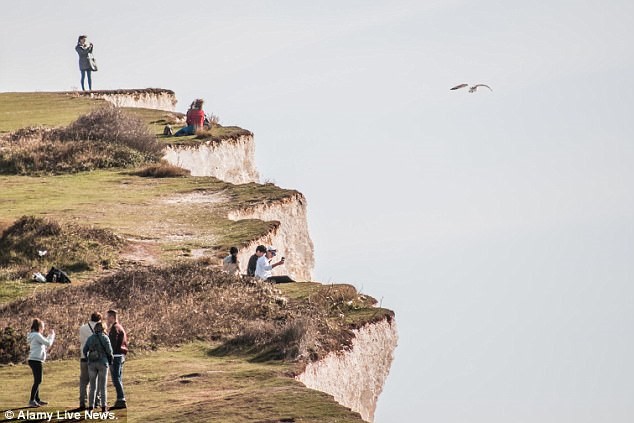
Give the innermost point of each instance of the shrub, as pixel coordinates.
(113, 125)
(13, 346)
(71, 247)
(163, 170)
(41, 152)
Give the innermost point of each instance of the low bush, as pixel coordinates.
(69, 246)
(105, 138)
(13, 345)
(114, 125)
(162, 170)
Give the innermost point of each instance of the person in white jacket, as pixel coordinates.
(37, 357)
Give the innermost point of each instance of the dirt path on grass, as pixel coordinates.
(142, 252)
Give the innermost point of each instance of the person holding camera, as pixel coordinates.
(37, 357)
(86, 61)
(264, 268)
(98, 350)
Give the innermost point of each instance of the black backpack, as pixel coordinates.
(56, 275)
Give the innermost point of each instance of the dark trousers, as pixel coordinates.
(83, 76)
(38, 372)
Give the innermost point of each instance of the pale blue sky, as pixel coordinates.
(497, 225)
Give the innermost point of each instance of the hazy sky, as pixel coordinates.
(498, 225)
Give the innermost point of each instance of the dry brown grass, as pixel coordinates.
(114, 125)
(49, 157)
(72, 247)
(162, 170)
(173, 305)
(105, 138)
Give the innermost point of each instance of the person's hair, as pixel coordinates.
(234, 254)
(80, 38)
(95, 317)
(112, 313)
(198, 103)
(260, 248)
(99, 327)
(36, 325)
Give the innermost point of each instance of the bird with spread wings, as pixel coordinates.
(472, 89)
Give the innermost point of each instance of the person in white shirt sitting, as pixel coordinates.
(264, 268)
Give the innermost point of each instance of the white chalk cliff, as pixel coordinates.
(148, 98)
(231, 160)
(355, 377)
(291, 237)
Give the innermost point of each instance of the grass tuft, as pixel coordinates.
(162, 170)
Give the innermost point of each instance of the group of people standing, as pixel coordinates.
(99, 353)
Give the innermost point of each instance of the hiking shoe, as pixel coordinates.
(42, 402)
(120, 404)
(34, 404)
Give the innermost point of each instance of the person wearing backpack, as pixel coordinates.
(37, 357)
(98, 350)
(85, 331)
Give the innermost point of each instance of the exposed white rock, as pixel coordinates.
(231, 160)
(355, 377)
(291, 238)
(147, 99)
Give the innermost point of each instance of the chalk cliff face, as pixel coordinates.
(291, 237)
(231, 160)
(149, 98)
(355, 377)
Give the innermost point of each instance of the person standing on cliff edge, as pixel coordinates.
(87, 64)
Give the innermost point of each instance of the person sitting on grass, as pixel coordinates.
(230, 264)
(260, 250)
(195, 119)
(264, 268)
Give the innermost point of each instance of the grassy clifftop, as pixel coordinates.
(205, 346)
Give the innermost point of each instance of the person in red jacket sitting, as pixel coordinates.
(195, 119)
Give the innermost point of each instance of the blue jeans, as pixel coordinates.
(188, 130)
(116, 371)
(83, 76)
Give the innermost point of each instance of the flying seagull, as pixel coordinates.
(472, 89)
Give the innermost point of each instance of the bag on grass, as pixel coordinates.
(56, 275)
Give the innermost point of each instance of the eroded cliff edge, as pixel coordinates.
(355, 377)
(231, 159)
(290, 237)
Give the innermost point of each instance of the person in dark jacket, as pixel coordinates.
(260, 250)
(98, 350)
(83, 49)
(119, 340)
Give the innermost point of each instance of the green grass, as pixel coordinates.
(19, 110)
(136, 207)
(187, 384)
